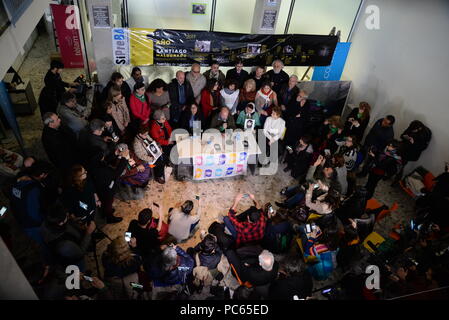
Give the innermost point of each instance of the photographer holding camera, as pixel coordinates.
(322, 175)
(67, 240)
(79, 196)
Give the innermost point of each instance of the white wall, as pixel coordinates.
(15, 37)
(403, 69)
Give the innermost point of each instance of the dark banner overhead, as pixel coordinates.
(177, 48)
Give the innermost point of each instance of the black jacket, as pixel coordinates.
(60, 146)
(278, 79)
(240, 78)
(184, 122)
(52, 92)
(350, 130)
(412, 152)
(287, 288)
(173, 92)
(105, 177)
(68, 244)
(217, 123)
(287, 97)
(126, 92)
(379, 136)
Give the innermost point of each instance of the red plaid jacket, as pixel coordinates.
(247, 231)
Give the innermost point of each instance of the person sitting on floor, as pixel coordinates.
(249, 226)
(142, 148)
(137, 173)
(183, 224)
(147, 232)
(258, 273)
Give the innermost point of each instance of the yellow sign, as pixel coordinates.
(141, 47)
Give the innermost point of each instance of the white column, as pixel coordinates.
(102, 39)
(265, 17)
(13, 284)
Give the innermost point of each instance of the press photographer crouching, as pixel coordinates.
(67, 240)
(324, 176)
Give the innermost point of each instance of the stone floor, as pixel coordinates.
(216, 195)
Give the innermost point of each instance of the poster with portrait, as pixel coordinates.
(154, 150)
(249, 124)
(199, 8)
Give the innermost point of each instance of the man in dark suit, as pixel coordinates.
(237, 74)
(54, 88)
(181, 96)
(59, 143)
(277, 76)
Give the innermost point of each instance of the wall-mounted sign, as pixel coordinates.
(198, 8)
(68, 36)
(269, 20)
(120, 46)
(101, 16)
(182, 48)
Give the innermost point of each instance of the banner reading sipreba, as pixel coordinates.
(178, 48)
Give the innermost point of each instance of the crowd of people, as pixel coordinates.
(124, 142)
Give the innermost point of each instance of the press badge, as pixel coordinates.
(83, 205)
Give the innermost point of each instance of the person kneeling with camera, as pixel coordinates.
(67, 240)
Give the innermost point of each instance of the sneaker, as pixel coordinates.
(113, 219)
(98, 235)
(280, 204)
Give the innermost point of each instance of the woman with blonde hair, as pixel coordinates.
(120, 111)
(247, 94)
(119, 260)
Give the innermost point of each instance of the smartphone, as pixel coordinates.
(308, 228)
(313, 227)
(412, 225)
(88, 278)
(316, 186)
(327, 152)
(2, 211)
(270, 209)
(197, 197)
(136, 285)
(245, 195)
(326, 291)
(127, 236)
(245, 144)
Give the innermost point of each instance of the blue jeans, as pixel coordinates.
(294, 195)
(193, 225)
(227, 222)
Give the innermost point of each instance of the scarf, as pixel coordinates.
(266, 96)
(333, 130)
(141, 98)
(247, 96)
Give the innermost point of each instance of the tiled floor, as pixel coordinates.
(216, 195)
